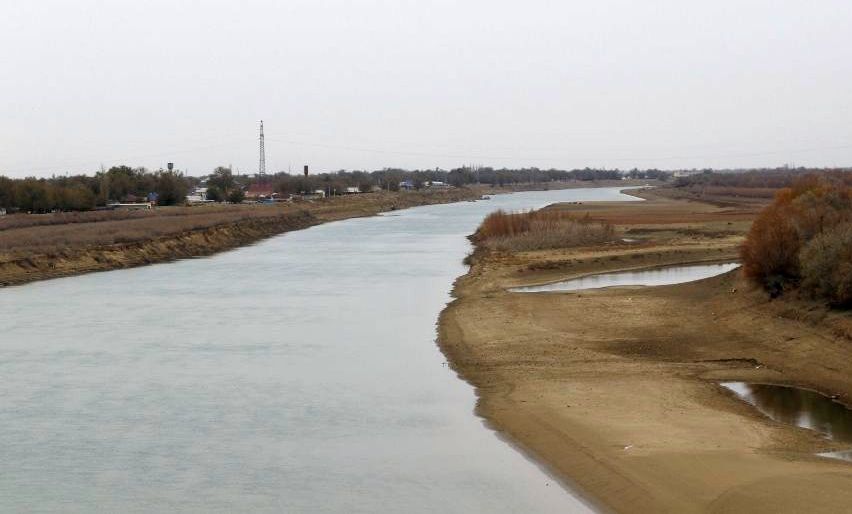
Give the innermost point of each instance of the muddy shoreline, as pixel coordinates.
(616, 391)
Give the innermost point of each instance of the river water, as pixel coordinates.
(653, 277)
(296, 375)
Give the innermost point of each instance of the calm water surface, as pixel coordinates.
(654, 277)
(800, 407)
(296, 375)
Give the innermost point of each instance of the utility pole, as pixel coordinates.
(261, 167)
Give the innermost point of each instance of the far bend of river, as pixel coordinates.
(296, 375)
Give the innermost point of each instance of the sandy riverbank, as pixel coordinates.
(616, 390)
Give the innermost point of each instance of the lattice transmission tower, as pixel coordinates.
(261, 167)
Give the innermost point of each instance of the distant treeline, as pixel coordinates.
(390, 179)
(767, 178)
(84, 192)
(758, 184)
(127, 184)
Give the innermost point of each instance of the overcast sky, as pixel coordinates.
(363, 84)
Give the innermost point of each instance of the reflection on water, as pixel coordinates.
(296, 375)
(842, 455)
(654, 277)
(800, 407)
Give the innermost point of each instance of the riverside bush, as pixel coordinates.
(803, 239)
(827, 265)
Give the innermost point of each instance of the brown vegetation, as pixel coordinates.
(14, 221)
(827, 265)
(539, 230)
(802, 240)
(738, 188)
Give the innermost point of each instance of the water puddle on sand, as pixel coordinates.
(802, 408)
(652, 277)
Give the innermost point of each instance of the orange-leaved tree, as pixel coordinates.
(796, 238)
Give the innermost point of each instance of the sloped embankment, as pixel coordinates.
(193, 243)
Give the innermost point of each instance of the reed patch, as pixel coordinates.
(540, 230)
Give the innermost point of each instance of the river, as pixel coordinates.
(299, 374)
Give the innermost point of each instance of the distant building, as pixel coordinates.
(406, 185)
(258, 191)
(318, 194)
(131, 206)
(352, 190)
(686, 173)
(437, 184)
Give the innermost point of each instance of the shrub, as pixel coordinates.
(771, 251)
(827, 265)
(800, 239)
(236, 196)
(215, 194)
(171, 188)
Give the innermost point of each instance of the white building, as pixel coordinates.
(686, 173)
(198, 195)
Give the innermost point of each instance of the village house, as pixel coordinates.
(317, 194)
(686, 173)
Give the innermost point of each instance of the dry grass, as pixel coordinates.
(540, 230)
(744, 192)
(15, 221)
(56, 237)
